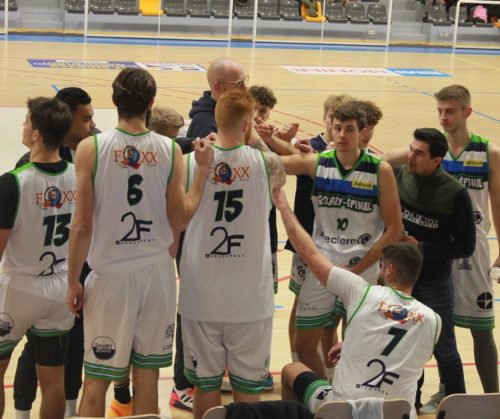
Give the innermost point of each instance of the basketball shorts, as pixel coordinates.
(243, 348)
(312, 390)
(297, 274)
(129, 318)
(32, 303)
(474, 298)
(317, 307)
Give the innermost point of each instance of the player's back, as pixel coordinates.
(130, 226)
(226, 265)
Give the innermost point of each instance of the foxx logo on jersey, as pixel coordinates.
(131, 157)
(399, 313)
(223, 173)
(52, 197)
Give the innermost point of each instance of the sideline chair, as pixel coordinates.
(393, 409)
(217, 412)
(466, 406)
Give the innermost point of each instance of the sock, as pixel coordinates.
(295, 357)
(70, 408)
(23, 414)
(330, 373)
(122, 392)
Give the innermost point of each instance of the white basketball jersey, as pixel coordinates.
(226, 264)
(38, 243)
(472, 169)
(130, 226)
(348, 220)
(389, 338)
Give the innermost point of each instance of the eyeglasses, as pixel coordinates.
(239, 83)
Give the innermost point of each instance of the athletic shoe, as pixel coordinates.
(269, 383)
(182, 399)
(117, 409)
(431, 406)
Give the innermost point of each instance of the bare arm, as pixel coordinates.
(301, 164)
(494, 189)
(276, 169)
(390, 211)
(397, 158)
(302, 242)
(4, 237)
(81, 226)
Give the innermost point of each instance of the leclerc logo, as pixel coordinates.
(103, 347)
(418, 72)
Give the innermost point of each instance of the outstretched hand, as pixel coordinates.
(334, 353)
(203, 151)
(279, 199)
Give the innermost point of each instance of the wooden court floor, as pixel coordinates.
(407, 104)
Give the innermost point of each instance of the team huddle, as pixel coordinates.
(395, 246)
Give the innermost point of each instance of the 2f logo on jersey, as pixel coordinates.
(131, 157)
(52, 197)
(224, 173)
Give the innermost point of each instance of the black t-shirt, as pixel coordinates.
(9, 192)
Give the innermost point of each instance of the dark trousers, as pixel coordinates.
(439, 296)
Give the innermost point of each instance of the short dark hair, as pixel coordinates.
(73, 97)
(407, 259)
(438, 146)
(350, 110)
(263, 95)
(133, 91)
(52, 118)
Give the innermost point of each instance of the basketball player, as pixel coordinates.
(379, 355)
(356, 207)
(131, 206)
(25, 381)
(38, 200)
(226, 290)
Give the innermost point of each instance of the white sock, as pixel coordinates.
(70, 408)
(295, 357)
(23, 414)
(330, 373)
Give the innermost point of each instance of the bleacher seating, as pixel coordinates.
(377, 13)
(462, 16)
(335, 12)
(174, 8)
(289, 10)
(244, 11)
(438, 16)
(102, 6)
(268, 10)
(75, 6)
(150, 7)
(198, 8)
(127, 7)
(220, 8)
(12, 5)
(355, 12)
(479, 24)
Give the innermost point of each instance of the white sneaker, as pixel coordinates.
(431, 406)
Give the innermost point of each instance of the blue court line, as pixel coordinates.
(55, 87)
(246, 44)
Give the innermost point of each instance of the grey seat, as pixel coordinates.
(335, 12)
(438, 16)
(377, 13)
(127, 7)
(102, 6)
(198, 8)
(289, 10)
(220, 8)
(75, 6)
(244, 11)
(462, 16)
(268, 10)
(12, 5)
(355, 12)
(174, 7)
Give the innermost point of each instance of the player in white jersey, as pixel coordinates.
(379, 355)
(355, 198)
(131, 207)
(226, 295)
(38, 201)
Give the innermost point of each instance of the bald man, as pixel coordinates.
(223, 74)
